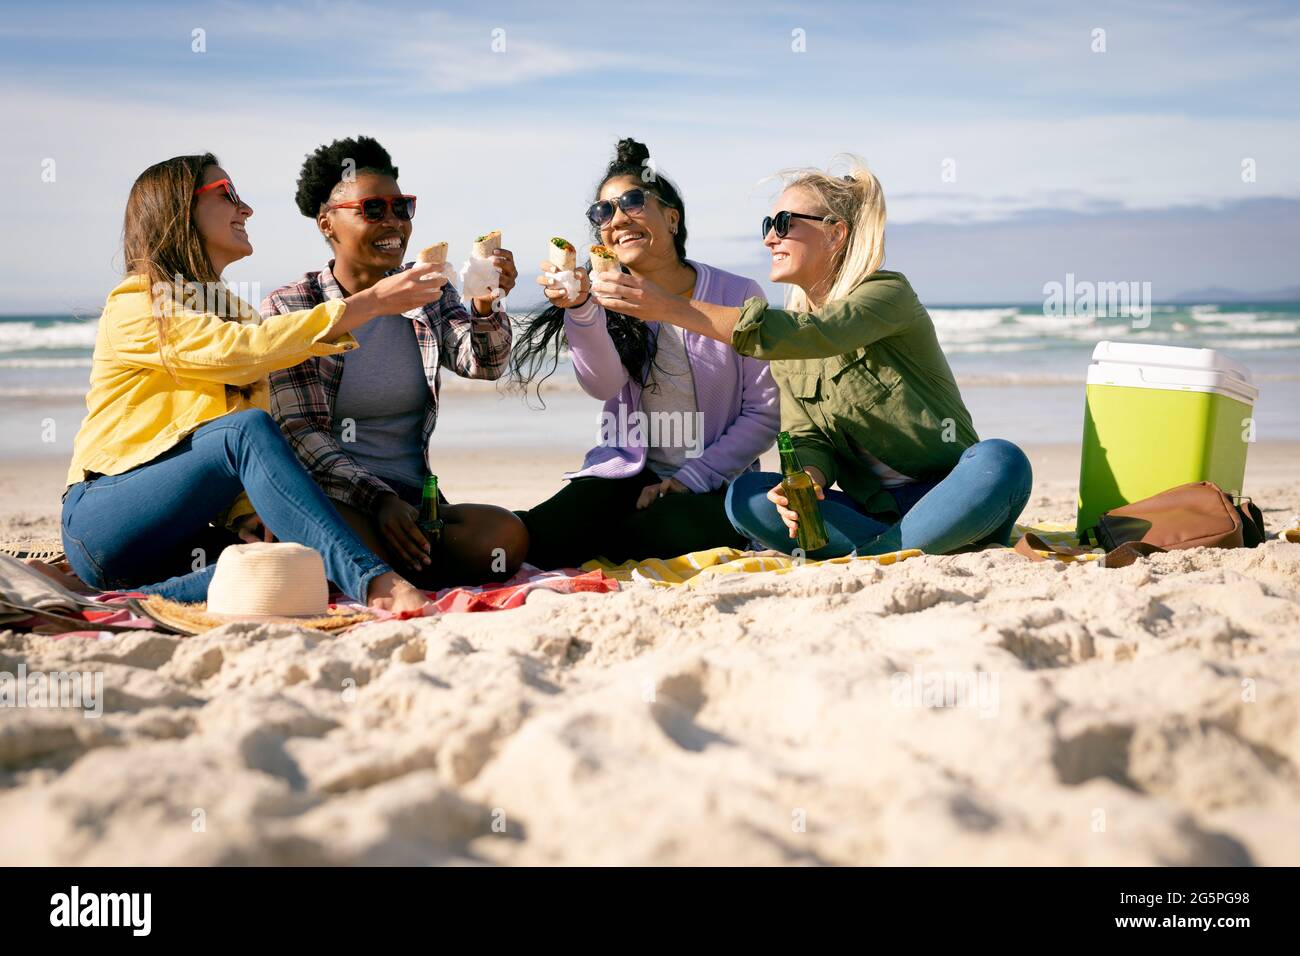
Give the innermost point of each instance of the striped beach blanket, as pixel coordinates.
(513, 593)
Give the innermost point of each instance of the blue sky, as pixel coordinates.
(1117, 165)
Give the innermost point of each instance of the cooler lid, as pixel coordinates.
(1171, 367)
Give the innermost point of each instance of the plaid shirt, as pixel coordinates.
(302, 397)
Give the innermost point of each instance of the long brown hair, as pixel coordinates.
(159, 238)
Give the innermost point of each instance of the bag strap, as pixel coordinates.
(1253, 532)
(1030, 544)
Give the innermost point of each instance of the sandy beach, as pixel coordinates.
(976, 709)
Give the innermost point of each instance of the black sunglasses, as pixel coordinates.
(781, 222)
(631, 202)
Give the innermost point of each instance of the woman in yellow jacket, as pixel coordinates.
(177, 437)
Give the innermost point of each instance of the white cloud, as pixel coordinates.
(481, 153)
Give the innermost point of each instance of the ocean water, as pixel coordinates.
(1021, 372)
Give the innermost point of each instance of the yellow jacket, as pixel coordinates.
(139, 405)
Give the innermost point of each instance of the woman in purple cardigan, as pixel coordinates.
(684, 414)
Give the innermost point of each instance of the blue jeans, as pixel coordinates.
(144, 526)
(976, 503)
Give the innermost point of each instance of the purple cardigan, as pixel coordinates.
(736, 395)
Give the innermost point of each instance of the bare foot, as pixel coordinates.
(392, 592)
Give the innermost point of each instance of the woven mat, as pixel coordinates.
(39, 548)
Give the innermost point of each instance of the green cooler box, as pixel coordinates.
(1158, 416)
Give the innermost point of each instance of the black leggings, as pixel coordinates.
(598, 517)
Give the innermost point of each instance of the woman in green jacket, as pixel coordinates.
(866, 392)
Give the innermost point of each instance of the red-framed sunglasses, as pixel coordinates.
(222, 184)
(375, 208)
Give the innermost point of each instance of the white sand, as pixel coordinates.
(1147, 715)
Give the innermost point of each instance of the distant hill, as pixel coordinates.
(1289, 294)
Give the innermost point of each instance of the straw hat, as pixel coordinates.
(266, 582)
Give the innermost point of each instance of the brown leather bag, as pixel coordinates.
(1196, 515)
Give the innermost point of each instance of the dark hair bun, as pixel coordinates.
(631, 158)
(629, 152)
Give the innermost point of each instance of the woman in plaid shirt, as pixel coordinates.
(361, 423)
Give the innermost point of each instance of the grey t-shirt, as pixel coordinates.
(383, 392)
(670, 390)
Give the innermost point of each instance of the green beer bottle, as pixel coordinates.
(429, 521)
(797, 486)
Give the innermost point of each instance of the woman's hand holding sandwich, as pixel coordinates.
(503, 260)
(556, 294)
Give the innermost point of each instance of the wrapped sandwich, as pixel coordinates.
(487, 244)
(435, 254)
(602, 260)
(479, 277)
(564, 257)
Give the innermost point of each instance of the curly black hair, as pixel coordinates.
(539, 339)
(323, 169)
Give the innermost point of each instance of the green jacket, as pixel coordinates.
(864, 372)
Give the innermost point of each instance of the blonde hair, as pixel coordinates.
(856, 199)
